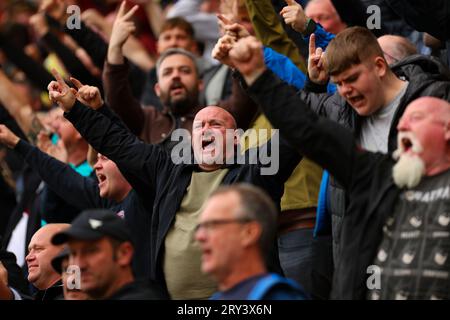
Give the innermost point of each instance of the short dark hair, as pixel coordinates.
(180, 23)
(172, 51)
(351, 46)
(256, 205)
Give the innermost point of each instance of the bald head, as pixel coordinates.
(424, 134)
(218, 113)
(324, 12)
(40, 253)
(438, 107)
(396, 48)
(213, 137)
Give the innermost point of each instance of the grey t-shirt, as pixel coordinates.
(375, 128)
(414, 253)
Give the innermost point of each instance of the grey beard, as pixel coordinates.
(408, 171)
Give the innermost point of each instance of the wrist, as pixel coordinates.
(13, 143)
(98, 105)
(309, 27)
(115, 55)
(250, 78)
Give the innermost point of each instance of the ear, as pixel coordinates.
(252, 234)
(125, 254)
(157, 89)
(194, 47)
(447, 132)
(381, 66)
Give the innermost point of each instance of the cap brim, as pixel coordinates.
(75, 233)
(56, 261)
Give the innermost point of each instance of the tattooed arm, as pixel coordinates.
(19, 108)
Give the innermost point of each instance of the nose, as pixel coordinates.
(30, 257)
(97, 165)
(175, 74)
(173, 42)
(207, 128)
(403, 124)
(344, 89)
(200, 235)
(78, 260)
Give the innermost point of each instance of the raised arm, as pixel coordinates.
(140, 163)
(19, 109)
(270, 31)
(118, 92)
(37, 74)
(77, 190)
(53, 42)
(323, 141)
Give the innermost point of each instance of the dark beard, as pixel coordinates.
(185, 105)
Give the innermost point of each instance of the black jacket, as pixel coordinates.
(139, 290)
(83, 193)
(151, 172)
(365, 176)
(55, 292)
(16, 278)
(426, 76)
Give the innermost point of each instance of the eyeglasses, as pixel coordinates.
(208, 225)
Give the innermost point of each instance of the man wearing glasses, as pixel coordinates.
(246, 217)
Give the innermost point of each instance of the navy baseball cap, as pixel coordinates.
(93, 225)
(57, 260)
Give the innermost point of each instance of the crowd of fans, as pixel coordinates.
(94, 93)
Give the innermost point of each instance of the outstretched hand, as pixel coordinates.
(60, 93)
(316, 63)
(57, 151)
(233, 29)
(294, 16)
(222, 48)
(7, 137)
(87, 95)
(233, 32)
(122, 27)
(248, 57)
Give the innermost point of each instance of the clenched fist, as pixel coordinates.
(248, 57)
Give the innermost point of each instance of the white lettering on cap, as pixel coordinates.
(95, 223)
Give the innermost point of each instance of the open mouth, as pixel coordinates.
(406, 144)
(355, 99)
(176, 88)
(101, 178)
(206, 252)
(207, 142)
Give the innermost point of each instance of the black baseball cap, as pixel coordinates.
(57, 260)
(94, 224)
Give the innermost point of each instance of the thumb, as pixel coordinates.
(77, 83)
(224, 20)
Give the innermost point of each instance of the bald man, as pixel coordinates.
(396, 48)
(324, 12)
(395, 234)
(40, 254)
(180, 189)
